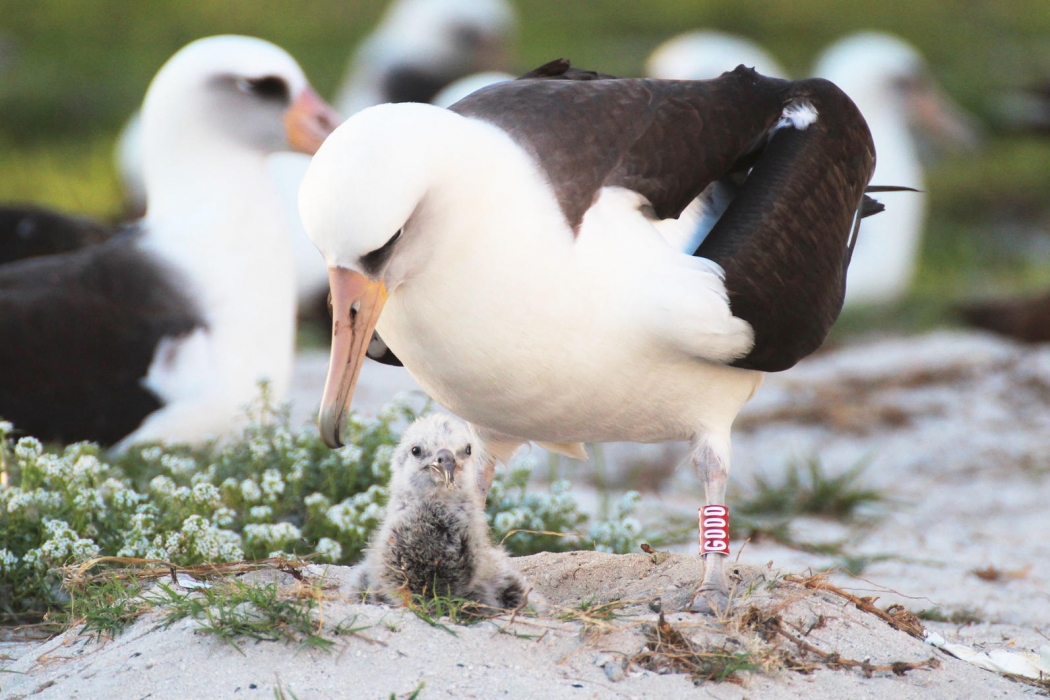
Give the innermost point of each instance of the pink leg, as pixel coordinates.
(492, 449)
(711, 458)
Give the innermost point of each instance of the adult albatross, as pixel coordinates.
(511, 252)
(162, 332)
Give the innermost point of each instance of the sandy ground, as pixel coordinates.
(957, 431)
(394, 652)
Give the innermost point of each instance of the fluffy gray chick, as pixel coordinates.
(434, 539)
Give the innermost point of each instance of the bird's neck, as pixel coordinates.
(215, 217)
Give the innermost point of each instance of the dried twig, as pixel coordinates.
(834, 660)
(896, 616)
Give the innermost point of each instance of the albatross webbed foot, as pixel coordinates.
(710, 600)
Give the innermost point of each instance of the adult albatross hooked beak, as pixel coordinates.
(356, 304)
(516, 252)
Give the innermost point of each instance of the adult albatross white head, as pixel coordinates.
(508, 252)
(890, 82)
(162, 332)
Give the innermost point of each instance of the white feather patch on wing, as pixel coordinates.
(677, 300)
(797, 115)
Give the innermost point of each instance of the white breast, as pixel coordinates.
(554, 338)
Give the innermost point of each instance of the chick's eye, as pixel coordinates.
(417, 451)
(468, 450)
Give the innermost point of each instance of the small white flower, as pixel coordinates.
(231, 550)
(250, 490)
(89, 500)
(28, 448)
(8, 559)
(178, 464)
(87, 467)
(317, 500)
(152, 453)
(272, 484)
(162, 486)
(18, 500)
(205, 475)
(271, 534)
(84, 548)
(260, 513)
(206, 494)
(350, 455)
(505, 522)
(224, 516)
(259, 448)
(6, 428)
(329, 549)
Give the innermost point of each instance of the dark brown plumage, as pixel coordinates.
(82, 329)
(29, 232)
(783, 241)
(665, 139)
(1025, 318)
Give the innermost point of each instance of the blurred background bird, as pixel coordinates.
(889, 80)
(417, 49)
(71, 73)
(163, 331)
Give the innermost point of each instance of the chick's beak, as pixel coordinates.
(308, 121)
(445, 462)
(356, 304)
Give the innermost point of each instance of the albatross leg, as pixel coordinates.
(711, 459)
(492, 448)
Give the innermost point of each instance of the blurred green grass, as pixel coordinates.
(71, 71)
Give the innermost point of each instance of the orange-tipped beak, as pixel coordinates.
(308, 121)
(356, 304)
(934, 113)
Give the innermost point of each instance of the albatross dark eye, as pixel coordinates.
(375, 260)
(268, 88)
(468, 450)
(416, 450)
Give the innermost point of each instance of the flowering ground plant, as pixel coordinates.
(273, 491)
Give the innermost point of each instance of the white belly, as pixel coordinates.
(593, 340)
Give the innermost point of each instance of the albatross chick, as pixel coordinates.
(435, 540)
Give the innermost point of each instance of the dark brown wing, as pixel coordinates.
(29, 231)
(666, 139)
(79, 333)
(783, 241)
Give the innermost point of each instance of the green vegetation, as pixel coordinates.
(414, 695)
(593, 615)
(271, 493)
(433, 608)
(108, 606)
(233, 610)
(767, 508)
(224, 606)
(809, 490)
(965, 616)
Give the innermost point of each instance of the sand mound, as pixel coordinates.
(598, 638)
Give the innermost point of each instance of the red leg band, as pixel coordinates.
(714, 530)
